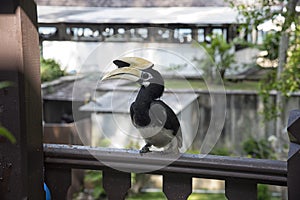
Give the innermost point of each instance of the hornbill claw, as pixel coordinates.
(145, 149)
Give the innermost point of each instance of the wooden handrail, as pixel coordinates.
(209, 166)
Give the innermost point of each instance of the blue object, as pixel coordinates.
(47, 191)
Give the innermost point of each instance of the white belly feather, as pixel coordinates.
(155, 133)
(158, 138)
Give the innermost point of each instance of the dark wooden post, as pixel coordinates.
(195, 34)
(21, 164)
(293, 180)
(231, 32)
(177, 186)
(116, 183)
(236, 189)
(207, 32)
(58, 181)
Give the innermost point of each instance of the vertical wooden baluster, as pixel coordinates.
(177, 186)
(293, 177)
(116, 184)
(58, 181)
(237, 189)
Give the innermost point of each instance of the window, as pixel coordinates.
(183, 34)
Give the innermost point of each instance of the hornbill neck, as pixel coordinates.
(147, 94)
(153, 90)
(143, 102)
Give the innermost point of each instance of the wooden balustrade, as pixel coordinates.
(241, 175)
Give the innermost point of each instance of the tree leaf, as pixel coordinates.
(5, 133)
(5, 84)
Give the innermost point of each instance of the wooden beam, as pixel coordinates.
(21, 173)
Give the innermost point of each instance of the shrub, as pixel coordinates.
(50, 70)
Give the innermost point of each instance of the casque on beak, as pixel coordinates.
(133, 62)
(130, 68)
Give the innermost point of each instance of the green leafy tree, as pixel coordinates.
(282, 46)
(290, 78)
(287, 78)
(221, 53)
(50, 70)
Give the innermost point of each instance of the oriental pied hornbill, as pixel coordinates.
(155, 120)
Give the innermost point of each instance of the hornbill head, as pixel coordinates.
(141, 71)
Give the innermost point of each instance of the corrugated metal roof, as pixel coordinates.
(140, 15)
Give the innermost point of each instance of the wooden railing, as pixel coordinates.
(241, 175)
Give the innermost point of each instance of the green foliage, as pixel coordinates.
(266, 85)
(161, 196)
(287, 83)
(133, 145)
(269, 83)
(261, 149)
(192, 151)
(104, 142)
(139, 181)
(50, 70)
(220, 52)
(94, 180)
(271, 45)
(263, 192)
(222, 151)
(290, 77)
(5, 84)
(3, 131)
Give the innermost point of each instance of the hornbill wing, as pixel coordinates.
(168, 119)
(167, 115)
(155, 116)
(161, 116)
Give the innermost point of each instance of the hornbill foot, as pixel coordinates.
(145, 149)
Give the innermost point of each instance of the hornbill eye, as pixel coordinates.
(146, 76)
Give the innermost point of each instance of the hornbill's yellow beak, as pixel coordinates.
(130, 68)
(128, 73)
